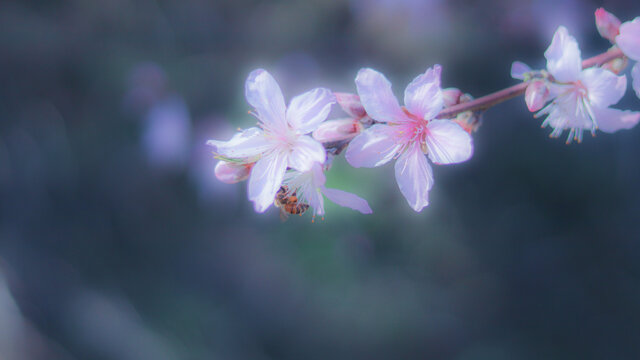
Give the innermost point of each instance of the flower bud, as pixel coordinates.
(337, 130)
(231, 173)
(520, 70)
(608, 24)
(451, 96)
(536, 95)
(351, 104)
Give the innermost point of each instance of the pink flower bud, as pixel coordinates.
(231, 173)
(337, 130)
(351, 104)
(608, 24)
(536, 95)
(451, 96)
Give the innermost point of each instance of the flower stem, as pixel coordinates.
(487, 101)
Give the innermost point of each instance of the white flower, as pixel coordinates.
(581, 98)
(408, 133)
(309, 187)
(282, 138)
(629, 42)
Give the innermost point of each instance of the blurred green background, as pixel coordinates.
(117, 242)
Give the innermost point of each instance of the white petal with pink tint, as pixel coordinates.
(264, 94)
(351, 104)
(414, 177)
(603, 87)
(308, 110)
(246, 144)
(423, 96)
(629, 39)
(265, 179)
(377, 98)
(448, 143)
(635, 74)
(305, 152)
(347, 199)
(231, 173)
(563, 57)
(612, 120)
(373, 147)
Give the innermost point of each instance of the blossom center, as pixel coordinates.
(580, 89)
(412, 131)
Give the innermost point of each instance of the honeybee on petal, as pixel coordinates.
(288, 203)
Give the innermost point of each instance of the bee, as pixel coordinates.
(288, 203)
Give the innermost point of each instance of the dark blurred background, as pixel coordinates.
(117, 242)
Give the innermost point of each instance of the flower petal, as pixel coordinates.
(604, 87)
(448, 143)
(337, 130)
(519, 69)
(373, 147)
(563, 56)
(629, 39)
(264, 94)
(635, 73)
(231, 173)
(414, 177)
(308, 110)
(423, 96)
(612, 120)
(317, 175)
(247, 144)
(377, 98)
(265, 180)
(351, 104)
(305, 152)
(347, 199)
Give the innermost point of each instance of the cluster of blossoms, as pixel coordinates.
(285, 158)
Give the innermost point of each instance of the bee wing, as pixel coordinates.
(284, 216)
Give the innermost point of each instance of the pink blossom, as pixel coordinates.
(309, 187)
(629, 42)
(407, 133)
(581, 98)
(281, 140)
